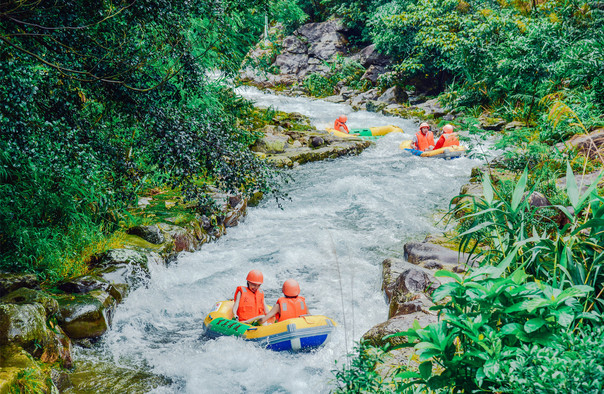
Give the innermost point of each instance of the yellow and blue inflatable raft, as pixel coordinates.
(302, 333)
(369, 133)
(450, 152)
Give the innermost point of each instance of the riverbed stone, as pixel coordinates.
(57, 348)
(393, 95)
(13, 360)
(375, 336)
(126, 266)
(591, 145)
(82, 316)
(369, 56)
(83, 284)
(10, 282)
(237, 211)
(150, 233)
(419, 252)
(26, 295)
(22, 324)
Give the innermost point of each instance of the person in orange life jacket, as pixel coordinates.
(249, 301)
(447, 138)
(288, 307)
(340, 124)
(424, 139)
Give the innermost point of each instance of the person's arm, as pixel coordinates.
(236, 306)
(271, 314)
(414, 142)
(440, 142)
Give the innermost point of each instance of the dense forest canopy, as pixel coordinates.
(101, 100)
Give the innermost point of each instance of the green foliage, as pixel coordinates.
(361, 375)
(341, 71)
(575, 366)
(101, 101)
(566, 256)
(486, 318)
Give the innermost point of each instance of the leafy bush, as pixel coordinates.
(101, 102)
(575, 366)
(341, 72)
(486, 318)
(362, 375)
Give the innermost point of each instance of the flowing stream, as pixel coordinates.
(344, 218)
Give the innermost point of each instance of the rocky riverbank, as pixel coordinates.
(39, 325)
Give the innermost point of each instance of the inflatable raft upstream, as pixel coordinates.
(450, 152)
(302, 333)
(370, 133)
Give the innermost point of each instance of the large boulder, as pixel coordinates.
(289, 63)
(393, 95)
(82, 316)
(13, 360)
(591, 145)
(369, 56)
(22, 324)
(426, 252)
(125, 266)
(83, 284)
(271, 143)
(292, 44)
(25, 295)
(312, 32)
(375, 336)
(372, 73)
(10, 282)
(183, 240)
(150, 234)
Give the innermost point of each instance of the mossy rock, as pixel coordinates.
(82, 316)
(23, 324)
(25, 295)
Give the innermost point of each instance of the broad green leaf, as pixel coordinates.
(519, 191)
(425, 369)
(564, 317)
(408, 375)
(449, 274)
(533, 325)
(511, 329)
(427, 354)
(444, 290)
(571, 187)
(487, 188)
(536, 303)
(519, 276)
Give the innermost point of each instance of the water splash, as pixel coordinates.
(369, 205)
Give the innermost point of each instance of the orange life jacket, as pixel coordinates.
(450, 139)
(291, 307)
(250, 304)
(337, 124)
(424, 141)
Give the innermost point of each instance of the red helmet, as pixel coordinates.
(343, 118)
(448, 128)
(255, 277)
(424, 125)
(291, 288)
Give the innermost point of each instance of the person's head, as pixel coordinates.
(447, 129)
(424, 128)
(254, 280)
(291, 288)
(343, 118)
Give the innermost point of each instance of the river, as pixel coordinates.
(344, 218)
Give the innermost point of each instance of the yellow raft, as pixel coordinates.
(302, 333)
(450, 152)
(370, 133)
